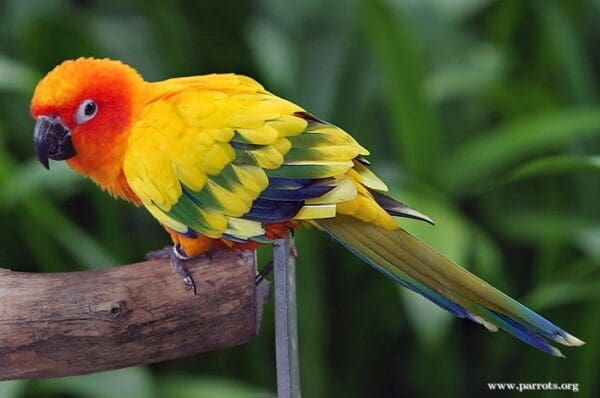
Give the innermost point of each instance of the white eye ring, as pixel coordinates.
(86, 111)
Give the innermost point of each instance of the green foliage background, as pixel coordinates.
(483, 114)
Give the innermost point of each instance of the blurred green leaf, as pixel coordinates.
(535, 226)
(79, 243)
(207, 387)
(133, 382)
(16, 76)
(588, 239)
(313, 327)
(399, 52)
(430, 322)
(474, 74)
(12, 388)
(479, 160)
(555, 294)
(540, 225)
(552, 165)
(565, 46)
(44, 215)
(31, 179)
(487, 260)
(274, 53)
(455, 11)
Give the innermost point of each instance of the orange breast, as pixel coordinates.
(194, 247)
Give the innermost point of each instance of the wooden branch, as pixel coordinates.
(81, 322)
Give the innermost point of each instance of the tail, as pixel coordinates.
(416, 266)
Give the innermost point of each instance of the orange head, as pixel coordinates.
(84, 111)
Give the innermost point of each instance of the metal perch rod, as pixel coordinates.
(286, 321)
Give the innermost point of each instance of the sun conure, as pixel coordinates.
(223, 163)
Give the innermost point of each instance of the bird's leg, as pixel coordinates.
(177, 260)
(267, 269)
(263, 273)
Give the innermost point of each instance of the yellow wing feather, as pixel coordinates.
(204, 148)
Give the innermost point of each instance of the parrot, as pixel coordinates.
(221, 163)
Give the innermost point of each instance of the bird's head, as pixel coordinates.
(84, 110)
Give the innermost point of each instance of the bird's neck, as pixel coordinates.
(105, 168)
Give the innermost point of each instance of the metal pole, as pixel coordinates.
(286, 321)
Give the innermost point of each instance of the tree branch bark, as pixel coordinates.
(82, 322)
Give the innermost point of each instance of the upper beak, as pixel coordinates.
(52, 140)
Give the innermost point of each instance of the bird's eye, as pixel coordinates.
(86, 111)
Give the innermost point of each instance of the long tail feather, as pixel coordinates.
(416, 266)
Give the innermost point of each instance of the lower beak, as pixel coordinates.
(52, 140)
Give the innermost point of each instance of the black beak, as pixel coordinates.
(52, 140)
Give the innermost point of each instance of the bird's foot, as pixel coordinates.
(178, 264)
(177, 259)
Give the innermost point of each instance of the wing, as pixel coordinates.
(222, 161)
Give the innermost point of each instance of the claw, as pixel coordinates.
(179, 266)
(177, 260)
(179, 253)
